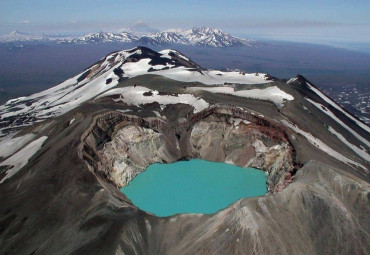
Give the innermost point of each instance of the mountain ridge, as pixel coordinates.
(107, 73)
(198, 36)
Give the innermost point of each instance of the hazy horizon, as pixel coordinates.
(338, 23)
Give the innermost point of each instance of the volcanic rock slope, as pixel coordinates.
(65, 152)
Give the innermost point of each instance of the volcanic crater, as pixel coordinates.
(118, 146)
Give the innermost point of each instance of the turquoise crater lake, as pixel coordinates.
(194, 186)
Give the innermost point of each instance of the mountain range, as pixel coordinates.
(140, 34)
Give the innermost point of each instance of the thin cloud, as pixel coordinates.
(25, 22)
(290, 24)
(297, 24)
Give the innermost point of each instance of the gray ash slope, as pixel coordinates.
(59, 176)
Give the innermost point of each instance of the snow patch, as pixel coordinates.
(10, 145)
(14, 100)
(21, 158)
(166, 54)
(291, 80)
(124, 111)
(135, 96)
(157, 114)
(184, 74)
(274, 94)
(159, 67)
(237, 121)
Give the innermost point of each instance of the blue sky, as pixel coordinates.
(310, 20)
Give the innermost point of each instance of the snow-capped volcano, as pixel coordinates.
(212, 37)
(106, 74)
(164, 38)
(103, 37)
(140, 29)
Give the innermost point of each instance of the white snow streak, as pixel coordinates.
(291, 80)
(20, 159)
(330, 114)
(326, 99)
(134, 96)
(10, 145)
(209, 77)
(274, 94)
(362, 153)
(322, 146)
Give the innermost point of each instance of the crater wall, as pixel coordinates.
(118, 146)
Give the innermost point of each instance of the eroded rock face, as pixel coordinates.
(131, 150)
(119, 147)
(241, 143)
